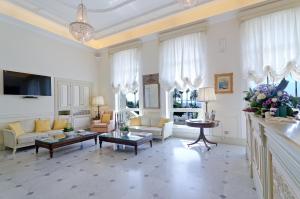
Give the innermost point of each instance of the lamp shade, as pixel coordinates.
(98, 101)
(206, 94)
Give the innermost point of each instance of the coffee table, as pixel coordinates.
(132, 139)
(50, 143)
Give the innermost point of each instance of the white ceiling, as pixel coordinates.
(106, 16)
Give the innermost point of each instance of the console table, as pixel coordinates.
(202, 125)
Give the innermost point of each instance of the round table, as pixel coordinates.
(202, 125)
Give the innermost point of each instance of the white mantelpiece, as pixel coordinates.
(273, 152)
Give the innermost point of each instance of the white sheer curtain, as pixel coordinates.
(125, 66)
(182, 61)
(271, 46)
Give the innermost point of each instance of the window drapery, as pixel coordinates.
(125, 70)
(182, 61)
(271, 46)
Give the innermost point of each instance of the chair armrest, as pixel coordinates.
(167, 129)
(111, 125)
(10, 139)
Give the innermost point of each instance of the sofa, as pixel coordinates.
(101, 126)
(11, 140)
(160, 128)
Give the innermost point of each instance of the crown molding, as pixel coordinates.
(34, 29)
(189, 16)
(124, 46)
(267, 8)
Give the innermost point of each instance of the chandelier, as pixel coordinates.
(188, 3)
(80, 29)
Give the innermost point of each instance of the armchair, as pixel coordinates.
(101, 126)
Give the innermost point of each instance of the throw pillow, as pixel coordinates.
(60, 124)
(105, 118)
(162, 122)
(136, 121)
(16, 128)
(42, 126)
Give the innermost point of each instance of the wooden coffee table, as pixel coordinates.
(51, 143)
(132, 139)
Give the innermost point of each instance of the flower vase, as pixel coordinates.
(282, 111)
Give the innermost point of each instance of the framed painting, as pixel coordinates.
(224, 83)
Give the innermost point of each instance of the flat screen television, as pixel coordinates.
(16, 83)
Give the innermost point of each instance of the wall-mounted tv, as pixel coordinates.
(16, 83)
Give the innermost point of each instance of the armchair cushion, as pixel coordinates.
(16, 128)
(105, 118)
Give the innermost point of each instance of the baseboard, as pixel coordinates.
(223, 140)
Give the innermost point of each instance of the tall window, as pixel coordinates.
(270, 46)
(182, 69)
(125, 79)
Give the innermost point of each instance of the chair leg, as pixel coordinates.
(14, 151)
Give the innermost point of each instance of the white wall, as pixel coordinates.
(26, 49)
(227, 106)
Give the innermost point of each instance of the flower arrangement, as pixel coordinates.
(271, 98)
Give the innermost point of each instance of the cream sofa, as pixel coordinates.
(149, 124)
(26, 139)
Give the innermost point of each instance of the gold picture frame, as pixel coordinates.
(224, 83)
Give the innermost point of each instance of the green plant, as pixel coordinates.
(68, 129)
(125, 128)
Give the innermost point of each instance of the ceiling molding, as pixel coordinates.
(267, 8)
(108, 9)
(200, 12)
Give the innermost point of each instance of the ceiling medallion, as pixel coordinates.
(188, 3)
(80, 29)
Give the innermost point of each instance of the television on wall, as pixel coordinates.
(16, 83)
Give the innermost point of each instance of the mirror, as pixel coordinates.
(151, 91)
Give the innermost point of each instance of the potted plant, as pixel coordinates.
(124, 130)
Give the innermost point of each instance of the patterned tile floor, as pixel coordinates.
(169, 170)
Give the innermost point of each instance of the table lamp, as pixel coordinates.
(98, 101)
(206, 94)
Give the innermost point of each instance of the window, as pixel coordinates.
(270, 46)
(125, 79)
(185, 105)
(129, 102)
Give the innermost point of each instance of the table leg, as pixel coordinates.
(135, 149)
(151, 143)
(210, 142)
(199, 137)
(95, 138)
(36, 149)
(100, 143)
(51, 152)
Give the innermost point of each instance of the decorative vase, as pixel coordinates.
(282, 111)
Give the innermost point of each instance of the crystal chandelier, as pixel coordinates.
(80, 29)
(188, 3)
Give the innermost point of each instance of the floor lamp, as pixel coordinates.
(98, 101)
(206, 94)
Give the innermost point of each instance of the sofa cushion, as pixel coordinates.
(154, 130)
(155, 122)
(42, 126)
(162, 122)
(54, 132)
(28, 125)
(27, 138)
(16, 128)
(60, 124)
(145, 121)
(136, 121)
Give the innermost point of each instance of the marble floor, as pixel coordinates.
(169, 170)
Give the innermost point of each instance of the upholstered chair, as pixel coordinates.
(105, 124)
